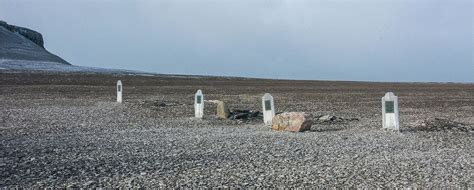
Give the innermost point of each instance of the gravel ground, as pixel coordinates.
(65, 130)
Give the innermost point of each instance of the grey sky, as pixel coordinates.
(372, 40)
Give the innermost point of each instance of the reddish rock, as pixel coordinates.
(292, 121)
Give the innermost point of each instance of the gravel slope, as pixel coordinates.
(57, 132)
(15, 45)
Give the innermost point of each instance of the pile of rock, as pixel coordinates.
(167, 104)
(160, 104)
(441, 124)
(287, 121)
(333, 119)
(246, 115)
(223, 112)
(299, 121)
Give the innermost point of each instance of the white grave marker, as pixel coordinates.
(119, 91)
(390, 116)
(268, 108)
(199, 104)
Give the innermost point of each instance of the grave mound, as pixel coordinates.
(441, 124)
(333, 119)
(246, 115)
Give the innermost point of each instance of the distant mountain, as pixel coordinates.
(23, 44)
(22, 50)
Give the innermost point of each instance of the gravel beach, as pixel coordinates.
(66, 130)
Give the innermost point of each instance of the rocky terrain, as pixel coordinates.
(22, 44)
(66, 130)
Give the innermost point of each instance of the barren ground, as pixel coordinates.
(66, 130)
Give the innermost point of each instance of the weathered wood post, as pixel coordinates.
(390, 114)
(119, 91)
(199, 104)
(268, 108)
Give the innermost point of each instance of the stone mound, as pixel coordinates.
(333, 119)
(441, 124)
(246, 115)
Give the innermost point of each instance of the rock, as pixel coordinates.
(440, 124)
(88, 183)
(29, 34)
(167, 104)
(245, 114)
(334, 119)
(222, 110)
(240, 116)
(327, 118)
(292, 121)
(72, 185)
(19, 43)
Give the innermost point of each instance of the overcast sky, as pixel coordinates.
(370, 40)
